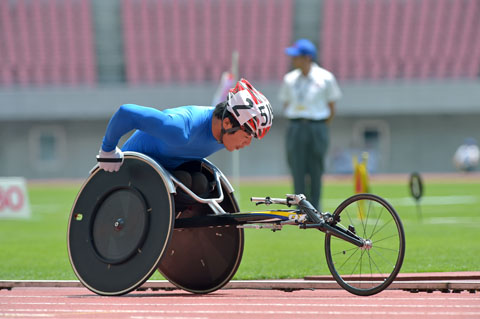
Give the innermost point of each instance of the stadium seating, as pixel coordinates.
(46, 43)
(52, 42)
(407, 39)
(192, 41)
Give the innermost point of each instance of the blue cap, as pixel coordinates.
(302, 47)
(470, 141)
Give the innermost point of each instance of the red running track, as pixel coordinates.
(236, 303)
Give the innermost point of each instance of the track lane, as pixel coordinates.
(235, 303)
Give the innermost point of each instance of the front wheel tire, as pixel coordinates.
(370, 269)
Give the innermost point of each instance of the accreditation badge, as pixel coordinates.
(300, 107)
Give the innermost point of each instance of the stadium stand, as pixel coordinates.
(407, 39)
(193, 41)
(45, 43)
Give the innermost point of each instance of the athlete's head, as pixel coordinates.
(246, 109)
(250, 108)
(245, 114)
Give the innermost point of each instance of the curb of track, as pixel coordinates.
(421, 282)
(461, 275)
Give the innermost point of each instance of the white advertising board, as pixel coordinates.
(14, 201)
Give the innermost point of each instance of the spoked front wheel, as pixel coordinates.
(369, 269)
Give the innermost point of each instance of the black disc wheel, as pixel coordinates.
(120, 226)
(203, 259)
(369, 269)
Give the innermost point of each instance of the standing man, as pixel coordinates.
(309, 94)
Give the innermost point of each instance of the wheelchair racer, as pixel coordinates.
(178, 135)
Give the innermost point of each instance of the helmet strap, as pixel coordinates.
(228, 130)
(224, 130)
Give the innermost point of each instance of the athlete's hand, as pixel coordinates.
(110, 161)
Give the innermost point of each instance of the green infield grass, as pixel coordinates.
(445, 238)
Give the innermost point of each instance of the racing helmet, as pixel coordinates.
(250, 108)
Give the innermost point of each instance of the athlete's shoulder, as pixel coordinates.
(199, 108)
(191, 115)
(134, 107)
(189, 110)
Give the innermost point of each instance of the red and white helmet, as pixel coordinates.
(250, 107)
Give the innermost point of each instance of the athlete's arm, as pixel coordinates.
(152, 121)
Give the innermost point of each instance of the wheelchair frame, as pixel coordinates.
(219, 224)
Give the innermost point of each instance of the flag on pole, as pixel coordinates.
(226, 83)
(360, 174)
(360, 180)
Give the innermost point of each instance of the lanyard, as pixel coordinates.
(302, 86)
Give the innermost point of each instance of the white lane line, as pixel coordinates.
(424, 201)
(232, 304)
(150, 317)
(25, 315)
(246, 312)
(303, 297)
(453, 220)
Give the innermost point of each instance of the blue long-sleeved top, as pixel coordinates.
(171, 137)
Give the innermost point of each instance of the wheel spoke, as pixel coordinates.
(385, 248)
(349, 218)
(381, 256)
(385, 238)
(380, 272)
(366, 220)
(385, 225)
(361, 263)
(370, 263)
(356, 265)
(343, 252)
(376, 222)
(348, 259)
(360, 212)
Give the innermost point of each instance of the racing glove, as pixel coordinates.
(110, 161)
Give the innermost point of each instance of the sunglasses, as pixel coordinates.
(244, 128)
(248, 130)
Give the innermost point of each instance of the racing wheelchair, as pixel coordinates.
(124, 226)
